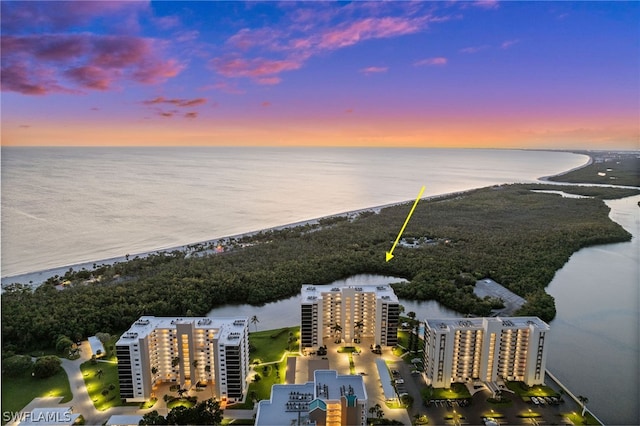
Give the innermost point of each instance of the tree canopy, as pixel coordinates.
(509, 233)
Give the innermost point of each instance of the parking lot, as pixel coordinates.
(469, 411)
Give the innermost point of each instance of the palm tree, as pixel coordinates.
(379, 411)
(154, 371)
(254, 320)
(175, 361)
(411, 315)
(99, 373)
(372, 411)
(358, 325)
(337, 328)
(583, 400)
(290, 340)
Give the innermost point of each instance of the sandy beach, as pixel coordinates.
(36, 278)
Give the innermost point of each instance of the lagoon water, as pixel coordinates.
(63, 206)
(594, 344)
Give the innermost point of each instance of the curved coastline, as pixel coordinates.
(590, 160)
(36, 278)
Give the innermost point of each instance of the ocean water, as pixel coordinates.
(63, 206)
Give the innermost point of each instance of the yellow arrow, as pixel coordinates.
(389, 254)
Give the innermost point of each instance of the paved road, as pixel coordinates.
(81, 402)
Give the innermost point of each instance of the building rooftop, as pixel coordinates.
(124, 420)
(311, 293)
(287, 402)
(292, 402)
(227, 330)
(479, 323)
(97, 348)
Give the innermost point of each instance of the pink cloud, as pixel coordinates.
(265, 104)
(486, 4)
(87, 61)
(373, 70)
(309, 31)
(176, 102)
(224, 86)
(368, 28)
(91, 77)
(261, 70)
(437, 61)
(191, 114)
(474, 49)
(507, 44)
(28, 80)
(246, 38)
(61, 15)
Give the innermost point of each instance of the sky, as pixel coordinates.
(561, 75)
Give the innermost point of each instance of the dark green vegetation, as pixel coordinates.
(606, 168)
(515, 236)
(18, 390)
(203, 413)
(101, 380)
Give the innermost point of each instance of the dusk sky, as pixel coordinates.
(433, 74)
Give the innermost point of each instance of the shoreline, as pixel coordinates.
(38, 277)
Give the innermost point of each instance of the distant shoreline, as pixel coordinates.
(38, 277)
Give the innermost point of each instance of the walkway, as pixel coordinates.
(81, 402)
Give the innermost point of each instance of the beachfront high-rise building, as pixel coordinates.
(184, 351)
(349, 313)
(485, 349)
(330, 400)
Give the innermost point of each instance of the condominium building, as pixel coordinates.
(349, 314)
(330, 400)
(485, 349)
(184, 351)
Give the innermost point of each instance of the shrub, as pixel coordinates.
(16, 365)
(46, 366)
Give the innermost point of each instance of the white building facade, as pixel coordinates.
(485, 349)
(349, 313)
(184, 351)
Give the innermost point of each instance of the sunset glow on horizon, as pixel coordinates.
(483, 74)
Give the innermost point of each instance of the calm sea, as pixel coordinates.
(62, 206)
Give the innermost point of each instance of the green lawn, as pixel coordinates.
(19, 391)
(262, 387)
(457, 391)
(348, 349)
(238, 422)
(539, 390)
(96, 385)
(577, 419)
(270, 345)
(180, 402)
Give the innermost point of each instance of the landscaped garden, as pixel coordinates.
(268, 350)
(101, 380)
(456, 391)
(20, 390)
(270, 345)
(521, 389)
